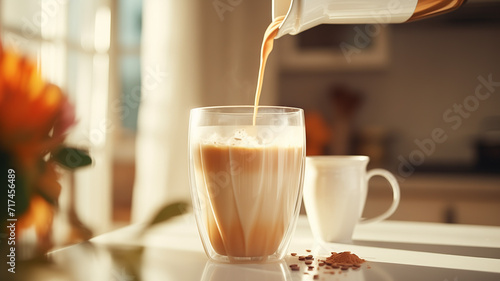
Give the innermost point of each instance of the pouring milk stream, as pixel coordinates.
(295, 16)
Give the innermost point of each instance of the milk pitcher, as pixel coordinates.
(304, 14)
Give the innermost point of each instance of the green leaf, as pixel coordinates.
(128, 260)
(168, 212)
(72, 158)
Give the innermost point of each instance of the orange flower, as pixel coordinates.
(39, 216)
(34, 116)
(29, 110)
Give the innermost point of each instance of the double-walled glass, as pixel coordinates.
(246, 179)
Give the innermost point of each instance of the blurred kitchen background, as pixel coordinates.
(422, 99)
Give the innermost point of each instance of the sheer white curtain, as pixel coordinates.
(194, 53)
(170, 67)
(71, 42)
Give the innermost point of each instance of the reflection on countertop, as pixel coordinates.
(173, 251)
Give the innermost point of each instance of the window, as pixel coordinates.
(91, 49)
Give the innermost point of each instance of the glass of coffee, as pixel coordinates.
(246, 177)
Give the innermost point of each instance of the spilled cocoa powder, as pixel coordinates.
(344, 260)
(341, 261)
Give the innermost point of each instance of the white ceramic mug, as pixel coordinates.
(335, 190)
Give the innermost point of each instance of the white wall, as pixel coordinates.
(231, 35)
(431, 68)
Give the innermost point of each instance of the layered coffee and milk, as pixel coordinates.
(248, 180)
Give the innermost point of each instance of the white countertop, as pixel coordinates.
(394, 250)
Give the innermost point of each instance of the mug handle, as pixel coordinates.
(395, 193)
